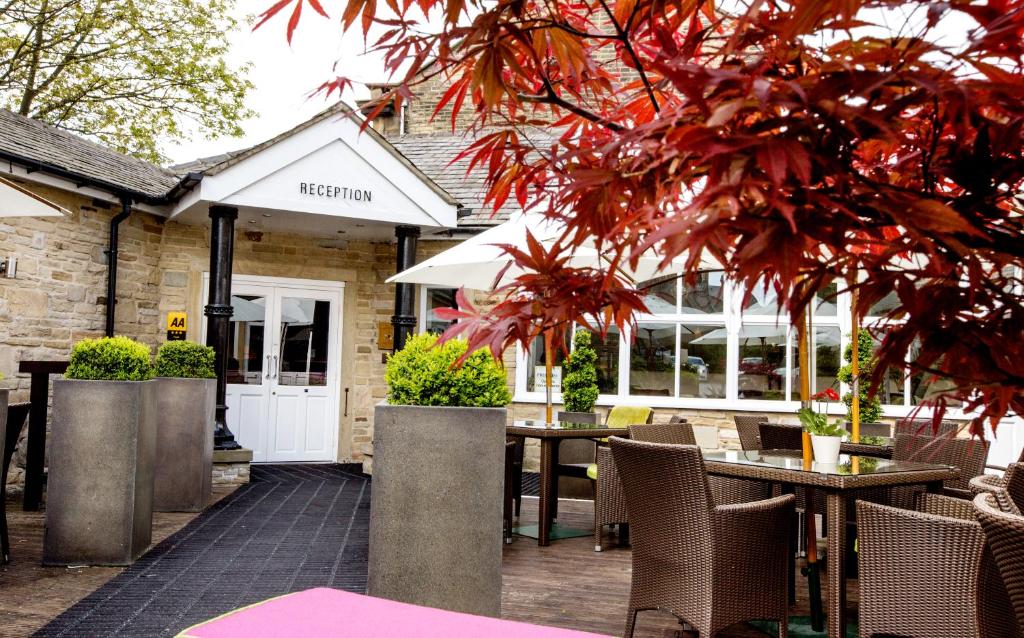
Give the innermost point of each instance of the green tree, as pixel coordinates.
(870, 406)
(124, 72)
(579, 383)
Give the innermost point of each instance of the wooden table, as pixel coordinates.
(838, 482)
(551, 435)
(35, 443)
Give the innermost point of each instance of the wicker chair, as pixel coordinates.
(1012, 482)
(966, 454)
(1004, 535)
(926, 573)
(747, 428)
(709, 565)
(609, 500)
(778, 436)
(510, 493)
(926, 427)
(16, 415)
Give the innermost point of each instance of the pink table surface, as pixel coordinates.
(331, 612)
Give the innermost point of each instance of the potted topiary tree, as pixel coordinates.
(870, 406)
(438, 454)
(579, 381)
(579, 393)
(99, 504)
(186, 409)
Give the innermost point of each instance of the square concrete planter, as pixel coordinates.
(184, 444)
(436, 507)
(99, 501)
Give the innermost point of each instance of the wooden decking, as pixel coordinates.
(570, 585)
(564, 585)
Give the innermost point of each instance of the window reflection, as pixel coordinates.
(438, 298)
(826, 357)
(245, 339)
(305, 324)
(702, 359)
(762, 366)
(652, 364)
(608, 361)
(660, 298)
(926, 387)
(761, 301)
(704, 295)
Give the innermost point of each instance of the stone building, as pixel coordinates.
(316, 219)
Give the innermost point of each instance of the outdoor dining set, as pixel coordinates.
(934, 541)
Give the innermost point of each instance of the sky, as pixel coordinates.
(284, 76)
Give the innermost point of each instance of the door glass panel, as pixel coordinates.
(304, 341)
(245, 339)
(762, 373)
(702, 359)
(439, 298)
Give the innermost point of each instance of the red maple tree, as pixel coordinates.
(875, 142)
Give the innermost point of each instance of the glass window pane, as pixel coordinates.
(762, 367)
(891, 391)
(924, 387)
(761, 301)
(245, 339)
(827, 301)
(826, 357)
(305, 325)
(704, 296)
(608, 361)
(536, 369)
(884, 306)
(652, 363)
(660, 298)
(702, 359)
(438, 298)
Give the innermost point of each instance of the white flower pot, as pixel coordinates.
(826, 448)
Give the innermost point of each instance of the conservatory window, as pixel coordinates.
(702, 356)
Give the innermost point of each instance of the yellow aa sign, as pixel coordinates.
(176, 325)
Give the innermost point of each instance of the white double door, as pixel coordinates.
(283, 368)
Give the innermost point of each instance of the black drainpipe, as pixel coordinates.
(126, 210)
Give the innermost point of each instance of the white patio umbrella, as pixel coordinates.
(16, 201)
(476, 262)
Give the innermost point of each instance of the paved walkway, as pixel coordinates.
(292, 528)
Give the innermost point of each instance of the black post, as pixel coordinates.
(115, 223)
(404, 319)
(218, 313)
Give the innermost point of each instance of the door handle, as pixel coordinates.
(275, 367)
(267, 375)
(346, 402)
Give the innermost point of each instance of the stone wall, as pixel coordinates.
(59, 293)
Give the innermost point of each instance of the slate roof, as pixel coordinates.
(44, 146)
(433, 155)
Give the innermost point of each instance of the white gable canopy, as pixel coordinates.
(322, 177)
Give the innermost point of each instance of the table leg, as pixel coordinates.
(547, 451)
(39, 395)
(836, 507)
(556, 446)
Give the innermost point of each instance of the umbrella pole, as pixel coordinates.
(548, 357)
(855, 371)
(812, 570)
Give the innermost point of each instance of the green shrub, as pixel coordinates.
(110, 359)
(870, 406)
(186, 360)
(423, 373)
(579, 378)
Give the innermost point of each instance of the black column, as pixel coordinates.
(218, 312)
(404, 319)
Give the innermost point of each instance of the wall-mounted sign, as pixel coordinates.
(385, 335)
(332, 191)
(540, 375)
(177, 326)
